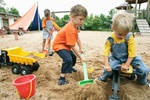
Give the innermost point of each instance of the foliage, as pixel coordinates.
(61, 22)
(144, 15)
(13, 11)
(93, 22)
(2, 9)
(97, 22)
(2, 4)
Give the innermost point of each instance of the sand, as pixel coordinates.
(49, 71)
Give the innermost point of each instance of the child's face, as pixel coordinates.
(120, 35)
(47, 15)
(78, 20)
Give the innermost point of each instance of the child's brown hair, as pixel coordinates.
(46, 12)
(78, 10)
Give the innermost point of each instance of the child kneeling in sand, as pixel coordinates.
(120, 50)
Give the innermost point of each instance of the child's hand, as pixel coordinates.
(51, 31)
(82, 50)
(82, 60)
(108, 68)
(124, 67)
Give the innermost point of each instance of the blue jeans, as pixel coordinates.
(69, 60)
(140, 69)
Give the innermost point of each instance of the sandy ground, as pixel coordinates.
(49, 71)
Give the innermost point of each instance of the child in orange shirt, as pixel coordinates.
(48, 29)
(66, 39)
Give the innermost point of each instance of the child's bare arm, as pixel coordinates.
(107, 65)
(125, 66)
(49, 31)
(74, 48)
(45, 28)
(80, 45)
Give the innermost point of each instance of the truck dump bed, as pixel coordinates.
(17, 55)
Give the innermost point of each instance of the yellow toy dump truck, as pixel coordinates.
(23, 62)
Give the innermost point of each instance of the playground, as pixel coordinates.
(49, 71)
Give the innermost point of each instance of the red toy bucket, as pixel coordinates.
(25, 85)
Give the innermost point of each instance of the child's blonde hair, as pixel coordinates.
(78, 10)
(122, 22)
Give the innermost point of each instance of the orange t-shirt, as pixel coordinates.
(45, 19)
(66, 37)
(48, 21)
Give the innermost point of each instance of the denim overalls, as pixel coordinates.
(119, 55)
(49, 25)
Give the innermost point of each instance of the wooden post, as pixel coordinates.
(136, 8)
(2, 33)
(148, 7)
(38, 17)
(136, 13)
(139, 13)
(16, 35)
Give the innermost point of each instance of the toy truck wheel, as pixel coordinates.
(35, 66)
(15, 69)
(25, 70)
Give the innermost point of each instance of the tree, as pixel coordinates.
(112, 12)
(13, 11)
(88, 23)
(101, 22)
(96, 23)
(61, 22)
(2, 4)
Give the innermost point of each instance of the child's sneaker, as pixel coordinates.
(99, 79)
(148, 84)
(132, 77)
(62, 82)
(51, 53)
(74, 70)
